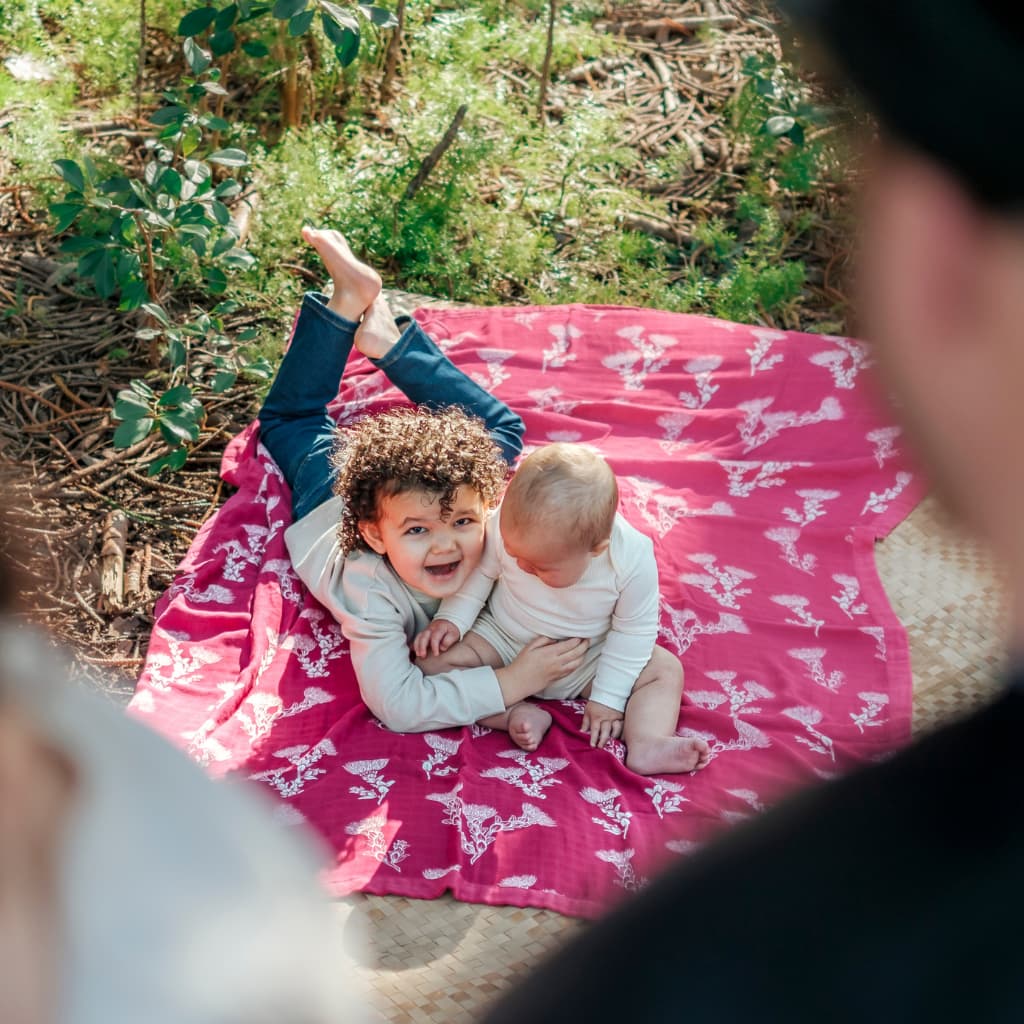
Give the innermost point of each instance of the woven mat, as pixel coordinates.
(444, 961)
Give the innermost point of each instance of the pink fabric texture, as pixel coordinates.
(764, 466)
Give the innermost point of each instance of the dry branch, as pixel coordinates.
(112, 552)
(662, 28)
(660, 229)
(436, 153)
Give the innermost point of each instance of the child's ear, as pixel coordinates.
(600, 548)
(370, 532)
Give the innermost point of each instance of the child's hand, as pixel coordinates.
(602, 722)
(545, 661)
(436, 638)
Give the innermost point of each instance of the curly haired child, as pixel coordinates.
(565, 563)
(390, 514)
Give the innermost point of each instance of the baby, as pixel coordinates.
(564, 563)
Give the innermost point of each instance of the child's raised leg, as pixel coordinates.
(525, 723)
(294, 424)
(649, 727)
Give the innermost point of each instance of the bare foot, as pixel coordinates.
(527, 725)
(355, 284)
(378, 332)
(668, 754)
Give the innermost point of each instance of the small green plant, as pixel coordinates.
(249, 26)
(776, 114)
(143, 237)
(139, 236)
(178, 413)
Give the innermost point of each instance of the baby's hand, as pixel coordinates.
(436, 638)
(602, 722)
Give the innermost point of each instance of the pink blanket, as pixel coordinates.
(760, 463)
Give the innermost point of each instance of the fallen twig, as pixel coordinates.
(436, 153)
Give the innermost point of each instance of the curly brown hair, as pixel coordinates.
(405, 449)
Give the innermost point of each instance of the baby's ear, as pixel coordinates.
(598, 549)
(370, 532)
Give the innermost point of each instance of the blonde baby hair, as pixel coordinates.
(564, 488)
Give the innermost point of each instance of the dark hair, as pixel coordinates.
(405, 450)
(940, 75)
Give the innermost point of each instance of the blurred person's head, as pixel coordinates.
(941, 264)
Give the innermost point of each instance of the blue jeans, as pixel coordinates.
(299, 433)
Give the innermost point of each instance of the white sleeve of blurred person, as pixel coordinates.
(178, 899)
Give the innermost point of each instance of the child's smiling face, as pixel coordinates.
(431, 553)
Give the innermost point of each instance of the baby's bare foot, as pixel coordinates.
(527, 725)
(668, 754)
(378, 332)
(355, 284)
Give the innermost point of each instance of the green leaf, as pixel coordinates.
(220, 213)
(343, 18)
(140, 190)
(222, 380)
(114, 185)
(238, 259)
(225, 307)
(194, 231)
(133, 295)
(175, 396)
(378, 16)
(80, 243)
(247, 334)
(130, 406)
(285, 9)
(258, 368)
(65, 214)
(71, 173)
(132, 431)
(227, 188)
(106, 281)
(196, 171)
(215, 123)
(226, 18)
(128, 268)
(299, 25)
(170, 182)
(140, 387)
(197, 21)
(348, 49)
(216, 280)
(158, 314)
(190, 139)
(173, 114)
(229, 157)
(223, 244)
(172, 460)
(778, 125)
(176, 352)
(214, 89)
(796, 133)
(255, 48)
(198, 59)
(177, 427)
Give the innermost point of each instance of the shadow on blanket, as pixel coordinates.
(761, 465)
